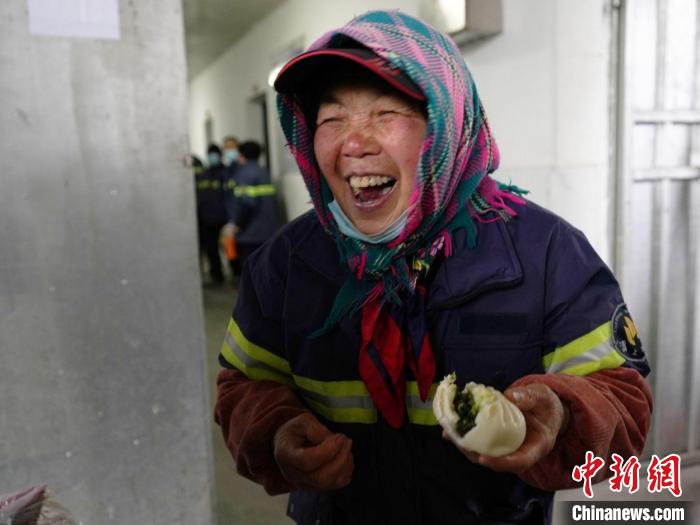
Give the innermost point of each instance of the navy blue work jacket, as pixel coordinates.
(252, 204)
(532, 297)
(210, 187)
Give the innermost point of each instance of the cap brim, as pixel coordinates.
(295, 76)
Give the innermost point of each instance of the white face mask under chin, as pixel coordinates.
(346, 226)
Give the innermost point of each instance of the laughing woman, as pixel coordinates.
(415, 264)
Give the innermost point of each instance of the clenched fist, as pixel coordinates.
(310, 455)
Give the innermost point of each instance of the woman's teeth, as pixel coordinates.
(371, 181)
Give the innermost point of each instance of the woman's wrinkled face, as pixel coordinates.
(367, 144)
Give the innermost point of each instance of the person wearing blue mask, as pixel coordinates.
(230, 154)
(214, 157)
(211, 211)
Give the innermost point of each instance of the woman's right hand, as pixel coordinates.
(310, 455)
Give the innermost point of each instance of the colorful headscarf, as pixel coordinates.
(453, 186)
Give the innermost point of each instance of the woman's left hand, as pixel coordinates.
(546, 417)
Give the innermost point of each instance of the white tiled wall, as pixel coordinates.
(544, 82)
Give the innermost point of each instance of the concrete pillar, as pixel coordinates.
(102, 369)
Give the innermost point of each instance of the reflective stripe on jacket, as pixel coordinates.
(260, 190)
(252, 204)
(211, 200)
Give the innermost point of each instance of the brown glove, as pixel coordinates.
(310, 455)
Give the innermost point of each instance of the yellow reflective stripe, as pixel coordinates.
(585, 355)
(343, 415)
(206, 184)
(611, 360)
(420, 412)
(339, 401)
(412, 389)
(350, 402)
(332, 388)
(253, 360)
(579, 346)
(257, 352)
(419, 416)
(261, 190)
(252, 371)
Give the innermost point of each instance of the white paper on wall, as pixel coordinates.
(74, 18)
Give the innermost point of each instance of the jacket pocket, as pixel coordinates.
(493, 365)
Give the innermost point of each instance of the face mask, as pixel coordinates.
(231, 155)
(214, 159)
(348, 228)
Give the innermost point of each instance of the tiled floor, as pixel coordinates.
(239, 501)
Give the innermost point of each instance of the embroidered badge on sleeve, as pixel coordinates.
(625, 335)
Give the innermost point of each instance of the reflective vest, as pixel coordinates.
(211, 204)
(532, 297)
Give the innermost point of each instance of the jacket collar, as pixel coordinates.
(492, 264)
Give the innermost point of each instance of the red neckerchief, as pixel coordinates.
(393, 336)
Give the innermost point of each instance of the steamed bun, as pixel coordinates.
(489, 424)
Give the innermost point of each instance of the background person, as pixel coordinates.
(228, 240)
(230, 153)
(211, 211)
(253, 211)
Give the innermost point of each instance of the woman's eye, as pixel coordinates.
(327, 120)
(385, 112)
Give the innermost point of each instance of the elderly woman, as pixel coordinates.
(415, 264)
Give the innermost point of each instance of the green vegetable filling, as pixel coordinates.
(466, 409)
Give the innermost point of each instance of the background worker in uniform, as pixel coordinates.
(211, 211)
(414, 264)
(228, 240)
(253, 211)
